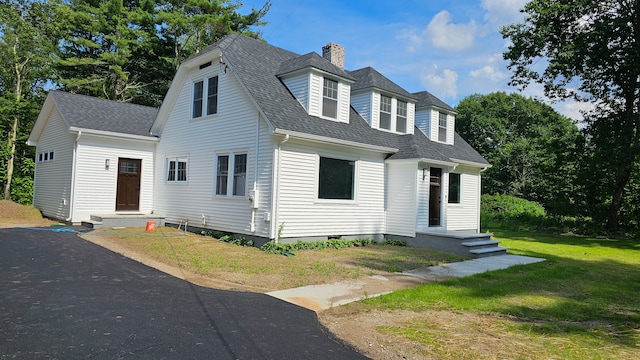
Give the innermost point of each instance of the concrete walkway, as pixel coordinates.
(321, 297)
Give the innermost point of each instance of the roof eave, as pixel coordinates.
(472, 163)
(324, 139)
(112, 134)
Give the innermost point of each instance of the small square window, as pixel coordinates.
(336, 179)
(176, 170)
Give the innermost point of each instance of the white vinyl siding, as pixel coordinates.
(234, 129)
(304, 215)
(362, 103)
(422, 199)
(316, 82)
(464, 216)
(400, 198)
(52, 181)
(95, 186)
(423, 121)
(299, 87)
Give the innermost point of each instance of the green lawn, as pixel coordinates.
(582, 303)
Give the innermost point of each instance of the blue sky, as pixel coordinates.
(450, 48)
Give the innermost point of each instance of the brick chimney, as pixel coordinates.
(334, 53)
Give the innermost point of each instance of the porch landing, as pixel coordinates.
(122, 220)
(475, 245)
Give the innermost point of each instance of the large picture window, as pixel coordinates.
(454, 188)
(385, 112)
(176, 170)
(336, 179)
(231, 167)
(330, 99)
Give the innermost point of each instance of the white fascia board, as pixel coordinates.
(41, 121)
(438, 108)
(324, 139)
(439, 162)
(472, 163)
(111, 134)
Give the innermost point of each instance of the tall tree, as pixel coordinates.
(27, 37)
(532, 147)
(587, 50)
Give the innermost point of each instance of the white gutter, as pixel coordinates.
(276, 191)
(472, 163)
(112, 134)
(72, 195)
(324, 139)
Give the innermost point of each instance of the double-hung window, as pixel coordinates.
(454, 188)
(234, 167)
(330, 98)
(442, 127)
(336, 179)
(176, 170)
(401, 117)
(385, 112)
(202, 105)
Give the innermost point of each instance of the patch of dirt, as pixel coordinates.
(13, 214)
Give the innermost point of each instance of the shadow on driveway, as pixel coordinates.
(63, 297)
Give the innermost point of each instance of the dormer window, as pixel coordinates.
(442, 127)
(385, 112)
(330, 99)
(401, 117)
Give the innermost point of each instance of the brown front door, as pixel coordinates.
(128, 192)
(434, 196)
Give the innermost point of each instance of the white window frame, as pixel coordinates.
(381, 111)
(45, 156)
(325, 96)
(459, 189)
(232, 177)
(356, 171)
(207, 96)
(442, 128)
(403, 116)
(177, 160)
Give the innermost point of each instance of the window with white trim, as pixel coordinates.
(45, 156)
(385, 112)
(231, 166)
(454, 188)
(336, 179)
(401, 117)
(176, 170)
(442, 127)
(202, 105)
(330, 98)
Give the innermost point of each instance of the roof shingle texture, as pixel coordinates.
(86, 112)
(257, 64)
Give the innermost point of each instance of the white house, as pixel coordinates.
(256, 140)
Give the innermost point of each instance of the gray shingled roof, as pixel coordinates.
(86, 112)
(371, 78)
(426, 99)
(311, 60)
(257, 64)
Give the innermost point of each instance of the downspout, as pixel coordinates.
(276, 185)
(72, 195)
(254, 206)
(480, 195)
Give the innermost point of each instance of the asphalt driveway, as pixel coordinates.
(63, 297)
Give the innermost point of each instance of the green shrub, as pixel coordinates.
(228, 238)
(510, 212)
(394, 242)
(278, 248)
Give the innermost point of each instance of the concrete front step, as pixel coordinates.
(480, 243)
(122, 220)
(488, 251)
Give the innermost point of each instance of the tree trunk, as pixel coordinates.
(12, 152)
(613, 219)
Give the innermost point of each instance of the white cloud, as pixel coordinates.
(502, 12)
(441, 83)
(574, 109)
(444, 34)
(490, 73)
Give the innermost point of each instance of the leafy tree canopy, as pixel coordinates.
(587, 50)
